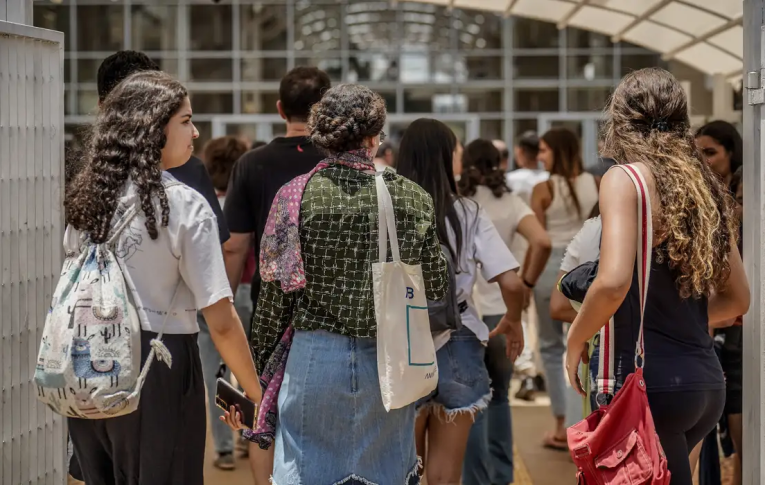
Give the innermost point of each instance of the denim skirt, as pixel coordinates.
(332, 427)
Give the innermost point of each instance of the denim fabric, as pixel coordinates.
(211, 367)
(551, 339)
(489, 455)
(463, 381)
(332, 427)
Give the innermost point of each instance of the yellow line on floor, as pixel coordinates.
(521, 473)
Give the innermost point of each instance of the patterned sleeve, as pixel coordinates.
(434, 269)
(271, 319)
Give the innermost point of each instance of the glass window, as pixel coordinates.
(264, 69)
(582, 39)
(53, 17)
(210, 28)
(263, 27)
(212, 103)
(67, 95)
(100, 28)
(205, 134)
(424, 26)
(332, 66)
(587, 99)
(87, 70)
(68, 70)
(534, 34)
(154, 27)
(536, 67)
(390, 100)
(471, 68)
(168, 65)
(492, 129)
(372, 66)
(211, 70)
(522, 126)
(477, 30)
(430, 100)
(633, 62)
(427, 67)
(318, 27)
(593, 66)
(259, 102)
(371, 25)
(87, 102)
(484, 101)
(537, 99)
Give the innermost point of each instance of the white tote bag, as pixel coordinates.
(406, 356)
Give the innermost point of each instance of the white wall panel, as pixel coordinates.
(33, 439)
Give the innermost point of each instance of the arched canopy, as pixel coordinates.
(705, 34)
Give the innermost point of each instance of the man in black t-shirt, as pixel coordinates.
(256, 178)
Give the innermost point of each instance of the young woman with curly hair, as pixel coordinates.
(316, 264)
(143, 129)
(697, 276)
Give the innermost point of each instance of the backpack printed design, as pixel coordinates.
(90, 356)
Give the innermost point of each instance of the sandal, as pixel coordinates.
(554, 443)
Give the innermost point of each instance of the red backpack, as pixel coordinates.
(617, 444)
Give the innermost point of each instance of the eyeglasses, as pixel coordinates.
(383, 136)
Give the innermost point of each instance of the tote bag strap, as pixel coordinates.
(386, 220)
(606, 375)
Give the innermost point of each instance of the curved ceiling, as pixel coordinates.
(705, 34)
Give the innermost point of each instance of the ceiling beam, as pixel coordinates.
(563, 23)
(645, 15)
(510, 6)
(703, 38)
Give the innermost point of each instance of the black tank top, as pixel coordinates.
(679, 351)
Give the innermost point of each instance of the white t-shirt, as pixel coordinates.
(585, 246)
(506, 213)
(187, 255)
(481, 244)
(523, 180)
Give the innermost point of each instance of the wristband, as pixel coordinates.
(528, 285)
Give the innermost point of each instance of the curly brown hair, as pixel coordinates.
(647, 122)
(219, 156)
(345, 117)
(126, 143)
(480, 166)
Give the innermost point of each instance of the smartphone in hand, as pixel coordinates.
(227, 396)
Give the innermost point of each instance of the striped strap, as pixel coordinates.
(606, 376)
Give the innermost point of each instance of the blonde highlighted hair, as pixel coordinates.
(647, 122)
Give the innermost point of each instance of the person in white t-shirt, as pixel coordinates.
(427, 154)
(171, 247)
(528, 172)
(489, 458)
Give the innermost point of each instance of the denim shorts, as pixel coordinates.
(332, 427)
(463, 381)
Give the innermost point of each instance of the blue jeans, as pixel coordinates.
(211, 368)
(332, 427)
(489, 455)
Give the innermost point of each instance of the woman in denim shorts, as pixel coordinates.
(429, 150)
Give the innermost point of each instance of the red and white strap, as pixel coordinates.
(606, 376)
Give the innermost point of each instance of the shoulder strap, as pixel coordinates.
(386, 221)
(606, 378)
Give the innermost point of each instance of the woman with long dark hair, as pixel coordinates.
(489, 457)
(697, 276)
(722, 148)
(426, 156)
(562, 204)
(143, 129)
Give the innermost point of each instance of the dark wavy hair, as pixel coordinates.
(219, 156)
(345, 117)
(480, 166)
(425, 157)
(567, 160)
(647, 122)
(126, 143)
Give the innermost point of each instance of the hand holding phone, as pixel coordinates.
(227, 396)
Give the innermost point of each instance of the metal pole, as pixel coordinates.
(754, 253)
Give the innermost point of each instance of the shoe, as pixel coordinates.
(527, 391)
(539, 383)
(243, 447)
(225, 461)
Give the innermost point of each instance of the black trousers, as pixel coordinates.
(682, 420)
(163, 442)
